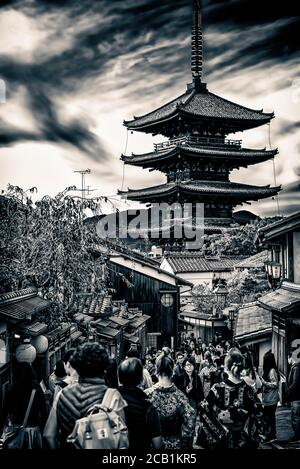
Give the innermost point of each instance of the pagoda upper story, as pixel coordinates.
(201, 112)
(198, 157)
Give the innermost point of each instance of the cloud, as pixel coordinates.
(109, 60)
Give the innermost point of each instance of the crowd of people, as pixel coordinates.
(167, 399)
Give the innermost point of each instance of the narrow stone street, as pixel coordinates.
(284, 431)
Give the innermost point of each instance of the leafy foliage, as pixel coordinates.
(246, 286)
(204, 299)
(240, 241)
(48, 246)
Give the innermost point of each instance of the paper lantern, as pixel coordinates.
(40, 343)
(3, 352)
(25, 352)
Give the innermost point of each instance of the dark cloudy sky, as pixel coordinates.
(75, 69)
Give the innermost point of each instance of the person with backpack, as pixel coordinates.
(141, 417)
(74, 402)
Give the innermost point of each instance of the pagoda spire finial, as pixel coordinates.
(196, 59)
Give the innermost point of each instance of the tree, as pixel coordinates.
(204, 299)
(47, 245)
(246, 286)
(240, 241)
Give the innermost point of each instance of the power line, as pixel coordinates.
(123, 172)
(274, 170)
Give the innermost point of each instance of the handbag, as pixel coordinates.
(14, 436)
(212, 434)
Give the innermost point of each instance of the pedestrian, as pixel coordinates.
(249, 373)
(190, 383)
(147, 380)
(177, 417)
(197, 354)
(178, 370)
(59, 374)
(141, 417)
(208, 373)
(90, 361)
(270, 393)
(293, 395)
(16, 403)
(233, 402)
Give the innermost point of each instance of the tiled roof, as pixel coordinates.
(17, 295)
(252, 320)
(230, 189)
(242, 156)
(256, 261)
(188, 262)
(155, 268)
(131, 338)
(92, 305)
(108, 332)
(284, 299)
(280, 227)
(17, 308)
(201, 105)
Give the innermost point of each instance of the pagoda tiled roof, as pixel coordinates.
(241, 156)
(229, 189)
(200, 104)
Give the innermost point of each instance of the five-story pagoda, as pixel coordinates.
(197, 158)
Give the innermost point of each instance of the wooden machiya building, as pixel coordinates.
(197, 157)
(283, 242)
(142, 284)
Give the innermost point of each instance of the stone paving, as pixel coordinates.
(285, 431)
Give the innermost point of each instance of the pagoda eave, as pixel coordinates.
(201, 191)
(240, 157)
(199, 109)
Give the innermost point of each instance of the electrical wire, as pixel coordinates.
(274, 170)
(123, 173)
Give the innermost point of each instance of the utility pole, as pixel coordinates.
(83, 172)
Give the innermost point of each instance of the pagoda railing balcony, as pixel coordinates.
(194, 140)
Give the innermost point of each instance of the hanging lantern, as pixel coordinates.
(270, 268)
(25, 352)
(3, 352)
(40, 343)
(276, 270)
